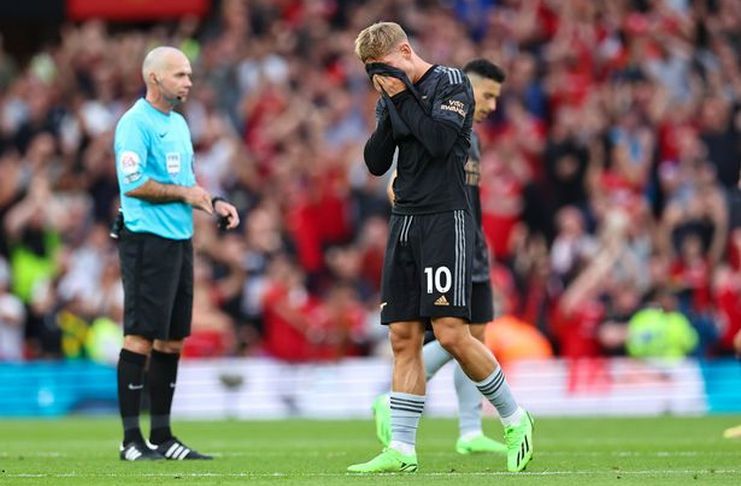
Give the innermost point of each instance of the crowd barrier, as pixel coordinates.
(262, 388)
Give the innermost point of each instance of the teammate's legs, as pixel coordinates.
(435, 357)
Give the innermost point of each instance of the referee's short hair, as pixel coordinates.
(485, 69)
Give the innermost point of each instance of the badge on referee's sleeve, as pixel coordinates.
(130, 166)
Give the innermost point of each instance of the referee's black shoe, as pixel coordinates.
(138, 451)
(174, 450)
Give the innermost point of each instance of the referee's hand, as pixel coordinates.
(226, 210)
(199, 198)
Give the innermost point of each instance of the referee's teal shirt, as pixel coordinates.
(150, 144)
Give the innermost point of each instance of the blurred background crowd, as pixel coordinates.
(610, 176)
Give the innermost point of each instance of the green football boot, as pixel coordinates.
(479, 444)
(388, 461)
(382, 416)
(519, 440)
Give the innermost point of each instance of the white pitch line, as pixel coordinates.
(337, 475)
(539, 452)
(33, 454)
(425, 454)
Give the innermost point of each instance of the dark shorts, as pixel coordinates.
(480, 268)
(482, 303)
(427, 267)
(157, 276)
(482, 308)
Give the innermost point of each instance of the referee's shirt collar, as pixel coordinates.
(151, 107)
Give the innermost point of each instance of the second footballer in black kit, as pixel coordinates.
(426, 112)
(482, 309)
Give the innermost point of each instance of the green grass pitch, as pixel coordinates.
(581, 451)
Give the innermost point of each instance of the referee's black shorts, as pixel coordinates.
(427, 267)
(157, 276)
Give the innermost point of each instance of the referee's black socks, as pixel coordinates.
(163, 371)
(130, 384)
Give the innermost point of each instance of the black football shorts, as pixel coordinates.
(427, 267)
(157, 276)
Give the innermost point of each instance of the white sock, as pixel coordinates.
(495, 388)
(469, 403)
(513, 419)
(472, 434)
(434, 356)
(406, 409)
(403, 447)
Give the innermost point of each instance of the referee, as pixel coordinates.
(154, 164)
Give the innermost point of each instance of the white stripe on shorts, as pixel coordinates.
(405, 225)
(459, 288)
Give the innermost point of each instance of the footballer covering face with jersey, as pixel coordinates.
(425, 112)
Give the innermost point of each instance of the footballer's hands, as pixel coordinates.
(388, 84)
(377, 86)
(390, 188)
(228, 212)
(199, 198)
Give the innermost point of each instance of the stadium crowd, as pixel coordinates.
(609, 187)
